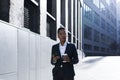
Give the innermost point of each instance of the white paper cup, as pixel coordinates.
(64, 56)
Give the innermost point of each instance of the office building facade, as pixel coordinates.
(118, 28)
(28, 29)
(99, 27)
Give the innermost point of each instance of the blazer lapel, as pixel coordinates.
(66, 48)
(58, 50)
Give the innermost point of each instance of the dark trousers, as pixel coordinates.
(60, 76)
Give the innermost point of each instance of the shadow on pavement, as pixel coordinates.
(93, 60)
(89, 62)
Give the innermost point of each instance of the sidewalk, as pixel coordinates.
(98, 68)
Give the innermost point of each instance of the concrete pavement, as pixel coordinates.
(98, 68)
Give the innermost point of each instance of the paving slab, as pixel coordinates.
(98, 68)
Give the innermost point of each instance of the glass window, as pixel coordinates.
(74, 17)
(108, 49)
(102, 49)
(96, 36)
(77, 44)
(108, 28)
(51, 7)
(102, 8)
(115, 21)
(87, 32)
(74, 39)
(112, 18)
(103, 23)
(4, 10)
(26, 17)
(69, 15)
(88, 12)
(107, 40)
(51, 19)
(63, 12)
(103, 39)
(69, 37)
(107, 13)
(96, 48)
(119, 32)
(96, 2)
(51, 28)
(87, 47)
(108, 2)
(96, 18)
(31, 16)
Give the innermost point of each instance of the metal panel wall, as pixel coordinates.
(8, 52)
(38, 59)
(23, 55)
(45, 50)
(32, 56)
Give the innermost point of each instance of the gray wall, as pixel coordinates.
(23, 54)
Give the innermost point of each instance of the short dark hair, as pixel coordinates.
(61, 28)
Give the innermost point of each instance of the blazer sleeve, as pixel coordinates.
(52, 51)
(74, 59)
(55, 52)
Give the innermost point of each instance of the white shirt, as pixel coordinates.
(62, 48)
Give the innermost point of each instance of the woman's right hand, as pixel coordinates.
(55, 58)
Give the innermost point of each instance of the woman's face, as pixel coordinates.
(62, 35)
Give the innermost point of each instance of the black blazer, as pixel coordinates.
(68, 68)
